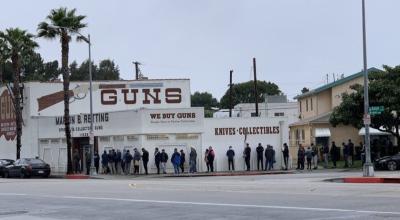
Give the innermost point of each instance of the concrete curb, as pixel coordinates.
(365, 180)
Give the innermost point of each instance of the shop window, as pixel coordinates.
(306, 105)
(311, 104)
(157, 137)
(44, 141)
(303, 134)
(104, 139)
(132, 138)
(186, 136)
(300, 106)
(279, 114)
(118, 138)
(55, 141)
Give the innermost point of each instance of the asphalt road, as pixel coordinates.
(290, 196)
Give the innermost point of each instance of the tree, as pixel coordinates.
(204, 99)
(244, 93)
(64, 24)
(35, 69)
(4, 52)
(384, 91)
(107, 70)
(20, 44)
(304, 90)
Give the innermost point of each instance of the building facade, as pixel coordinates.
(127, 115)
(315, 108)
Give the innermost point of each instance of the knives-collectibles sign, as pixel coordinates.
(47, 99)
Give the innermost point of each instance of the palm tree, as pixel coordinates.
(3, 56)
(17, 44)
(63, 24)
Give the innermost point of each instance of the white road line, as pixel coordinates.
(210, 204)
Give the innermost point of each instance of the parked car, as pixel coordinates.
(388, 163)
(27, 167)
(3, 164)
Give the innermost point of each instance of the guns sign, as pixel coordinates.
(111, 94)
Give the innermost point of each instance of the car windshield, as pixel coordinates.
(34, 161)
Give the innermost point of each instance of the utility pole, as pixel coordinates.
(230, 93)
(368, 168)
(137, 68)
(255, 85)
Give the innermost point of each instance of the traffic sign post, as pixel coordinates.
(367, 119)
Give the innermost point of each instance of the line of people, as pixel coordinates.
(117, 162)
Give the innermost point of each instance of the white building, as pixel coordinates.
(129, 114)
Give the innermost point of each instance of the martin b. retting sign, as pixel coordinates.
(46, 99)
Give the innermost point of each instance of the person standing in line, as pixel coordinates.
(309, 156)
(118, 159)
(164, 160)
(314, 153)
(88, 161)
(260, 155)
(192, 160)
(136, 161)
(345, 155)
(231, 158)
(96, 158)
(128, 160)
(210, 158)
(176, 161)
(157, 159)
(104, 162)
(285, 152)
(145, 160)
(269, 158)
(183, 159)
(111, 163)
(334, 157)
(123, 157)
(350, 147)
(246, 155)
(77, 160)
(206, 160)
(300, 157)
(325, 151)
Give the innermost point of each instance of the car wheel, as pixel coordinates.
(392, 165)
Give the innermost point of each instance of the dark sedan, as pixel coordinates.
(388, 163)
(27, 167)
(3, 164)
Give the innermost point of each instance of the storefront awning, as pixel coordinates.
(322, 132)
(372, 131)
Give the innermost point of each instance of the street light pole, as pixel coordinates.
(91, 135)
(368, 168)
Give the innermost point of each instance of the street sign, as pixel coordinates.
(376, 110)
(367, 119)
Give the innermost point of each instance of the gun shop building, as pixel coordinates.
(128, 115)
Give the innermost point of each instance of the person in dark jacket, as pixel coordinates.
(269, 157)
(210, 158)
(246, 155)
(145, 160)
(260, 155)
(128, 160)
(118, 159)
(111, 161)
(300, 157)
(176, 161)
(104, 162)
(285, 152)
(345, 154)
(96, 158)
(88, 161)
(164, 160)
(183, 159)
(77, 159)
(192, 160)
(206, 160)
(309, 155)
(157, 159)
(136, 161)
(334, 154)
(231, 156)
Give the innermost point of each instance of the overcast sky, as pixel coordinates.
(296, 42)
